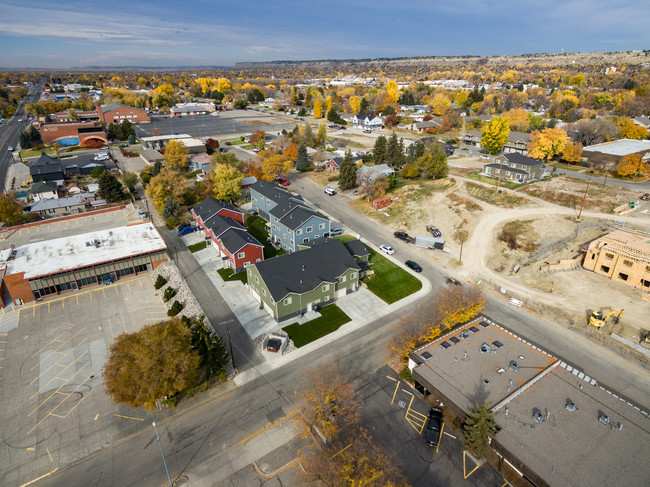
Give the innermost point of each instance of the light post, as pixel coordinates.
(163, 455)
(11, 151)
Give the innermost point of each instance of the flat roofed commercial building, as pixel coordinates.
(55, 266)
(549, 415)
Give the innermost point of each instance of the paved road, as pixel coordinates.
(643, 187)
(624, 376)
(10, 131)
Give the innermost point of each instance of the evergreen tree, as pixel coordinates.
(364, 105)
(379, 152)
(214, 356)
(478, 430)
(170, 209)
(302, 161)
(110, 188)
(389, 110)
(393, 151)
(24, 140)
(415, 151)
(34, 135)
(347, 173)
(156, 168)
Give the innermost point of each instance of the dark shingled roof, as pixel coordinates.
(517, 158)
(45, 165)
(356, 248)
(209, 207)
(297, 216)
(234, 240)
(506, 168)
(219, 224)
(303, 271)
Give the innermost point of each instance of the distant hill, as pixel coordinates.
(540, 59)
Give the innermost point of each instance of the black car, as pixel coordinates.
(434, 427)
(413, 265)
(403, 236)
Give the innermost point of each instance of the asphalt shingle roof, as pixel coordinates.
(303, 271)
(219, 224)
(297, 216)
(517, 158)
(234, 240)
(209, 207)
(506, 168)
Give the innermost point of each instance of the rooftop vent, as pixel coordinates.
(454, 340)
(497, 344)
(426, 355)
(445, 345)
(486, 381)
(538, 417)
(484, 324)
(514, 366)
(604, 419)
(485, 348)
(571, 406)
(473, 329)
(464, 334)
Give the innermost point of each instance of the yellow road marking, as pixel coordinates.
(50, 455)
(96, 416)
(40, 478)
(128, 417)
(465, 469)
(31, 448)
(440, 439)
(395, 392)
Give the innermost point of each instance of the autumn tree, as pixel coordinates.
(478, 430)
(175, 155)
(347, 173)
(166, 183)
(433, 164)
(459, 304)
(318, 108)
(460, 236)
(355, 104)
(258, 139)
(376, 188)
(548, 143)
(518, 119)
(274, 166)
(225, 182)
(291, 151)
(130, 179)
(147, 365)
(302, 161)
(631, 165)
(329, 402)
(495, 134)
(629, 130)
(10, 209)
(572, 152)
(321, 136)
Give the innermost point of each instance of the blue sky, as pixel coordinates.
(67, 33)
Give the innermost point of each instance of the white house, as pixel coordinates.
(367, 122)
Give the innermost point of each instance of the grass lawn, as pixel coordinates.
(197, 246)
(235, 141)
(330, 320)
(247, 146)
(345, 238)
(255, 225)
(493, 181)
(25, 153)
(390, 282)
(229, 275)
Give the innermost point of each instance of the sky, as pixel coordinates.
(79, 33)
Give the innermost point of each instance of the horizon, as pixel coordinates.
(45, 35)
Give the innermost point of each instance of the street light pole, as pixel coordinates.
(163, 455)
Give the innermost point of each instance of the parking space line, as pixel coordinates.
(73, 407)
(395, 392)
(128, 417)
(440, 440)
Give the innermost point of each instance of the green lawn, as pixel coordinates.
(345, 238)
(25, 153)
(229, 275)
(330, 320)
(390, 282)
(255, 225)
(197, 246)
(493, 181)
(235, 141)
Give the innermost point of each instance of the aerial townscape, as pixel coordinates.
(345, 246)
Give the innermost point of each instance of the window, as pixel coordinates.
(342, 279)
(287, 300)
(257, 279)
(321, 226)
(305, 240)
(353, 275)
(326, 287)
(263, 292)
(292, 242)
(309, 229)
(299, 231)
(627, 263)
(609, 256)
(241, 255)
(604, 268)
(622, 276)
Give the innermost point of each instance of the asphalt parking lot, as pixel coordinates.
(54, 410)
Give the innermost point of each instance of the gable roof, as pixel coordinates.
(45, 165)
(298, 215)
(303, 271)
(43, 187)
(284, 201)
(505, 168)
(114, 106)
(209, 207)
(517, 158)
(356, 248)
(219, 224)
(234, 240)
(51, 203)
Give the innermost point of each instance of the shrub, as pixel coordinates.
(175, 309)
(160, 282)
(405, 374)
(171, 222)
(170, 292)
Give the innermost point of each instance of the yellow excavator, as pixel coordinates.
(596, 319)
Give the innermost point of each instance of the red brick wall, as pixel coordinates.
(50, 133)
(18, 287)
(124, 113)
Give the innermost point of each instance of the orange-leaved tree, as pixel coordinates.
(631, 164)
(548, 143)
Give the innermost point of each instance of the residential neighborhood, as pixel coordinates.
(247, 268)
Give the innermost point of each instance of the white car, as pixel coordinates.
(388, 249)
(336, 231)
(330, 191)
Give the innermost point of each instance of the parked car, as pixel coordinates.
(183, 225)
(227, 143)
(413, 265)
(273, 345)
(330, 191)
(645, 196)
(388, 249)
(256, 149)
(142, 214)
(186, 231)
(367, 131)
(336, 231)
(404, 236)
(283, 181)
(434, 427)
(434, 231)
(451, 280)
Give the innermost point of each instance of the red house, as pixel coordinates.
(222, 223)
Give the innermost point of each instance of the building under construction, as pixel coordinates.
(621, 256)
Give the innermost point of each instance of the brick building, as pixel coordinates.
(621, 256)
(39, 269)
(616, 149)
(117, 113)
(85, 134)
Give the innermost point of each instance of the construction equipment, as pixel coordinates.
(596, 319)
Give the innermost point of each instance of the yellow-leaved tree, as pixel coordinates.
(225, 182)
(629, 130)
(328, 105)
(459, 306)
(518, 118)
(274, 166)
(572, 152)
(175, 155)
(631, 165)
(167, 183)
(495, 134)
(393, 91)
(318, 108)
(355, 104)
(222, 85)
(548, 143)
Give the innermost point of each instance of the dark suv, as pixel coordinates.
(404, 236)
(434, 427)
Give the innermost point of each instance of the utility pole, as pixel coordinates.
(499, 180)
(232, 355)
(584, 198)
(163, 455)
(606, 172)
